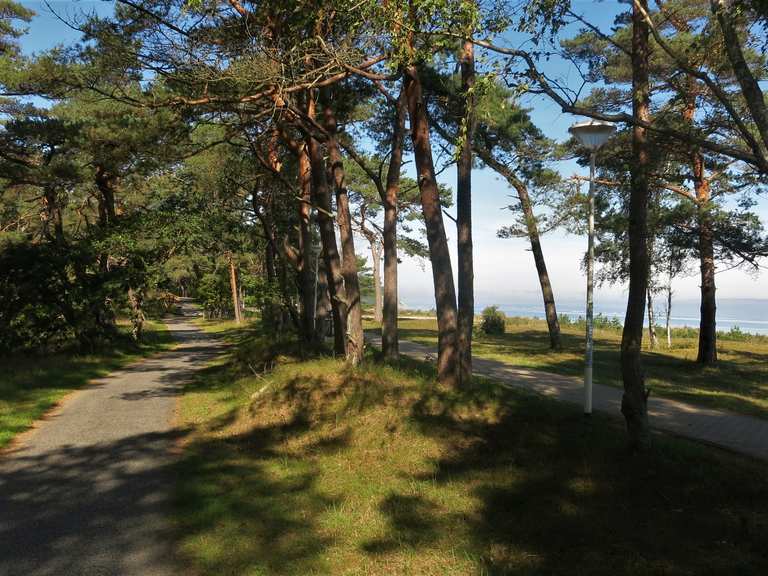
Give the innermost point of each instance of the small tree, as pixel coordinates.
(494, 321)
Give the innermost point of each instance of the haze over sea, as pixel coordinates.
(747, 314)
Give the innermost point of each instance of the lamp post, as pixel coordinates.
(591, 134)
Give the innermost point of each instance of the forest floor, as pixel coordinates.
(737, 383)
(31, 384)
(301, 465)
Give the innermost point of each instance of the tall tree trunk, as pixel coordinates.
(268, 310)
(669, 307)
(442, 272)
(305, 262)
(532, 228)
(707, 326)
(322, 197)
(634, 400)
(750, 87)
(376, 259)
(466, 274)
(323, 301)
(652, 340)
(707, 352)
(389, 338)
(355, 338)
(233, 286)
(708, 311)
(651, 321)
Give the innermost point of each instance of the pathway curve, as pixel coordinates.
(730, 430)
(87, 491)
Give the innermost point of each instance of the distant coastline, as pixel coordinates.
(747, 314)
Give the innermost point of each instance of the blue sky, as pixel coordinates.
(504, 269)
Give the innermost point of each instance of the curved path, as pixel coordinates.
(737, 432)
(87, 491)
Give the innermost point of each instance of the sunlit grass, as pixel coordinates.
(738, 382)
(32, 384)
(309, 467)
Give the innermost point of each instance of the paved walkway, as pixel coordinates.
(733, 431)
(86, 492)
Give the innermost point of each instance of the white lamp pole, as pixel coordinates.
(591, 134)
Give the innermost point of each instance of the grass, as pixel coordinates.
(30, 385)
(739, 381)
(299, 466)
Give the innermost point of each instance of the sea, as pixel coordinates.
(746, 314)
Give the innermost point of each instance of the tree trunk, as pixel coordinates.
(750, 87)
(106, 186)
(707, 325)
(466, 274)
(669, 309)
(652, 340)
(322, 197)
(235, 293)
(355, 338)
(707, 353)
(634, 400)
(651, 321)
(305, 262)
(376, 259)
(323, 311)
(532, 228)
(442, 273)
(136, 301)
(389, 338)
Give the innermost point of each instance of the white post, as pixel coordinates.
(590, 287)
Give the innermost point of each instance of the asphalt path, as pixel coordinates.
(87, 491)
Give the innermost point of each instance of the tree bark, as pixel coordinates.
(305, 262)
(708, 311)
(389, 338)
(235, 293)
(532, 228)
(322, 198)
(466, 274)
(707, 351)
(376, 259)
(355, 338)
(669, 309)
(136, 301)
(651, 321)
(750, 87)
(105, 183)
(442, 273)
(323, 302)
(634, 400)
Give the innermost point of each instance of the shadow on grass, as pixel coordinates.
(520, 485)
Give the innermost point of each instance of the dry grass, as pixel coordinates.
(309, 467)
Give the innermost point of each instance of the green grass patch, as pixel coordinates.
(305, 466)
(739, 381)
(32, 384)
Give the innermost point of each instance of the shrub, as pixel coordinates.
(494, 321)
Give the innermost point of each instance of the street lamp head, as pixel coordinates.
(592, 134)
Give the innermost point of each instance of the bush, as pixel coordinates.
(494, 321)
(51, 295)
